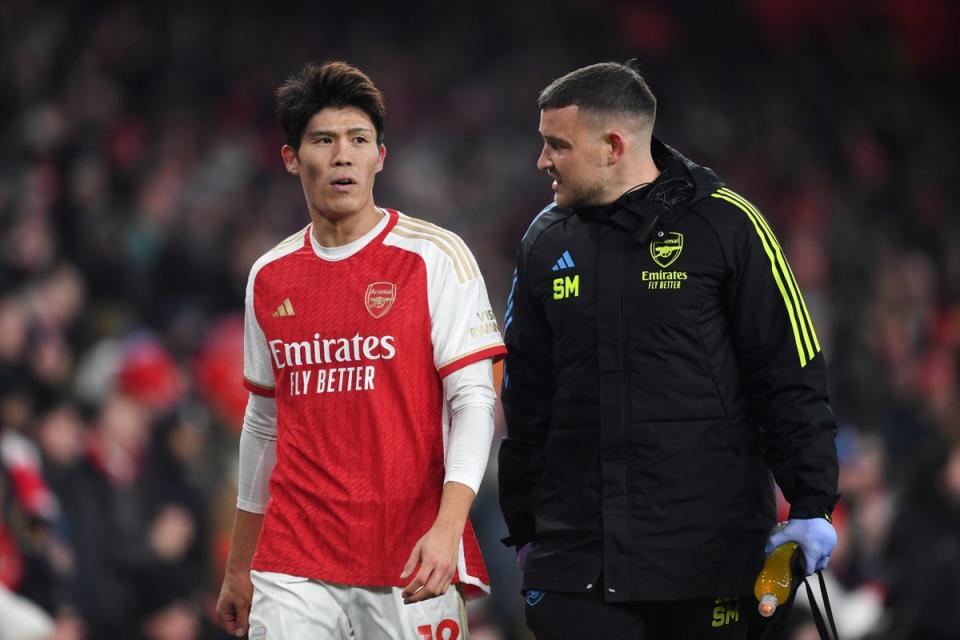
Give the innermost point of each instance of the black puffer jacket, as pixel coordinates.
(662, 362)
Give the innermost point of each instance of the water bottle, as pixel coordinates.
(772, 587)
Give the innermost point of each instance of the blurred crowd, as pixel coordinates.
(141, 177)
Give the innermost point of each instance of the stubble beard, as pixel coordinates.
(585, 196)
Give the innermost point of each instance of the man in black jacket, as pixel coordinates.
(662, 363)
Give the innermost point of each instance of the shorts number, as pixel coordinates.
(426, 632)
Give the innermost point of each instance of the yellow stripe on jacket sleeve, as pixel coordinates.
(801, 352)
(786, 265)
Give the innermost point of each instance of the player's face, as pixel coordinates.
(574, 154)
(337, 161)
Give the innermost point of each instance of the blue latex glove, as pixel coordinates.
(815, 536)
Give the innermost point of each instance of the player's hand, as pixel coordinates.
(436, 554)
(233, 605)
(815, 536)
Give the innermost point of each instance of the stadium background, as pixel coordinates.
(140, 177)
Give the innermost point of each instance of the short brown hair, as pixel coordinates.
(318, 86)
(605, 87)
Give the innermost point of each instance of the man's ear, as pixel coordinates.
(382, 153)
(290, 160)
(616, 146)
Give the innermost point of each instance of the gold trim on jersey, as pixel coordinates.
(437, 241)
(457, 241)
(447, 241)
(283, 244)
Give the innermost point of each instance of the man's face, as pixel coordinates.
(575, 155)
(337, 161)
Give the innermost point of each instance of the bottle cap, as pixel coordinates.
(768, 604)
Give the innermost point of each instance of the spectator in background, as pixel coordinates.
(923, 552)
(124, 542)
(175, 480)
(35, 563)
(22, 619)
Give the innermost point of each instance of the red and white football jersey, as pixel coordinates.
(354, 351)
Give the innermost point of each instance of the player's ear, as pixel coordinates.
(290, 160)
(616, 146)
(382, 154)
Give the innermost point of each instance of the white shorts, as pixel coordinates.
(286, 607)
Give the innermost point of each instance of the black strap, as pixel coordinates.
(774, 625)
(817, 616)
(826, 605)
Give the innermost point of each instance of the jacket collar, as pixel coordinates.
(680, 184)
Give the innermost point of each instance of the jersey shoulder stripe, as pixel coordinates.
(417, 222)
(461, 249)
(447, 242)
(296, 238)
(288, 245)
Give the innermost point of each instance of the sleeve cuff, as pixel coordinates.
(251, 507)
(496, 352)
(259, 389)
(813, 509)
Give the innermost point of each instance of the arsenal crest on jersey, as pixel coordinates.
(379, 298)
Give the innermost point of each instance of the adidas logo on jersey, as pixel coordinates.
(285, 309)
(565, 262)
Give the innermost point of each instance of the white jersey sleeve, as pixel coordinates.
(258, 376)
(463, 327)
(257, 370)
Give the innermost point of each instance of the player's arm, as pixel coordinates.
(781, 364)
(527, 395)
(236, 592)
(257, 459)
(436, 552)
(469, 394)
(465, 337)
(784, 374)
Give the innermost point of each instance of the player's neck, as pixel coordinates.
(336, 232)
(643, 171)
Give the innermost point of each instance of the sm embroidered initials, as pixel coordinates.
(726, 611)
(566, 287)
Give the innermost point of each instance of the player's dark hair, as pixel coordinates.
(316, 87)
(605, 87)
